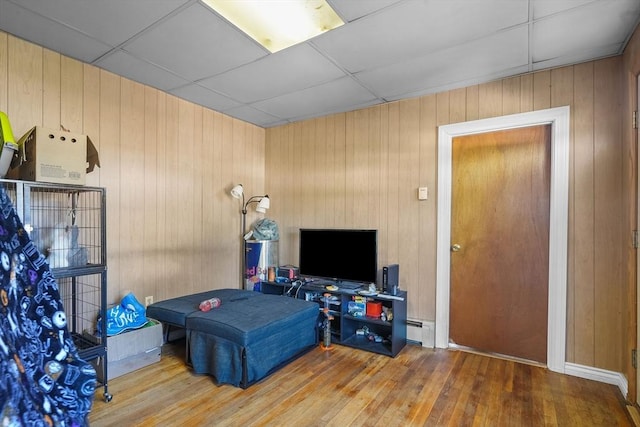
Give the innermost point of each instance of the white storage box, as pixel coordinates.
(132, 350)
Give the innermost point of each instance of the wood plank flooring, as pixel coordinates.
(348, 387)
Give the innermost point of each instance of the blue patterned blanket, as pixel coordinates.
(43, 383)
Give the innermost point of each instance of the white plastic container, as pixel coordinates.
(9, 146)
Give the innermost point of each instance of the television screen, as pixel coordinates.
(338, 254)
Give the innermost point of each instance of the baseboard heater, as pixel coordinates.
(420, 332)
(414, 338)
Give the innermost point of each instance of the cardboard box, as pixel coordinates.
(132, 350)
(48, 155)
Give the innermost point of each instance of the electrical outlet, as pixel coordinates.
(148, 301)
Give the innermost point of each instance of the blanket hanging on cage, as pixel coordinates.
(43, 381)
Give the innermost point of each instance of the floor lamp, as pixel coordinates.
(263, 202)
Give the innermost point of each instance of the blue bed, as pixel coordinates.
(245, 339)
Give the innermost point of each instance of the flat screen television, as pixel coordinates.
(339, 254)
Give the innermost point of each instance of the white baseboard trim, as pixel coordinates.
(597, 374)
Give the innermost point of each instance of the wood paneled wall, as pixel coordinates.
(362, 169)
(167, 165)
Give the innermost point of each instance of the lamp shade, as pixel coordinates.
(263, 205)
(237, 191)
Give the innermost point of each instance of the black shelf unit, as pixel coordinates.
(344, 326)
(67, 223)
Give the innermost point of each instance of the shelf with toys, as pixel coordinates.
(365, 320)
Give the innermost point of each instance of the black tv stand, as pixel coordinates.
(343, 284)
(346, 328)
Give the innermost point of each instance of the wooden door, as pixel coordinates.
(500, 241)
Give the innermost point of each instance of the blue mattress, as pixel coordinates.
(175, 311)
(245, 339)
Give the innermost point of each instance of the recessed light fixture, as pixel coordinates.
(278, 24)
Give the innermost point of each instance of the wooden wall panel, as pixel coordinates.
(51, 87)
(71, 99)
(427, 208)
(25, 85)
(131, 161)
(149, 201)
(157, 279)
(401, 147)
(109, 138)
(91, 114)
(581, 230)
(609, 238)
(511, 96)
(4, 72)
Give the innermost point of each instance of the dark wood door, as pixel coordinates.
(500, 241)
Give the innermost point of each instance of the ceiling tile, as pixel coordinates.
(205, 97)
(289, 70)
(111, 22)
(251, 115)
(484, 57)
(545, 8)
(50, 34)
(578, 56)
(351, 10)
(342, 92)
(128, 66)
(602, 23)
(195, 44)
(415, 28)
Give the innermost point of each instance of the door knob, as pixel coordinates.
(455, 247)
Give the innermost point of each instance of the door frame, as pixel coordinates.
(558, 118)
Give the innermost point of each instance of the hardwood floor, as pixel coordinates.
(348, 387)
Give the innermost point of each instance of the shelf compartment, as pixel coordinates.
(363, 343)
(368, 320)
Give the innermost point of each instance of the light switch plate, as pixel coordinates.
(423, 193)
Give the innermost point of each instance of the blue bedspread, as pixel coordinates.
(44, 382)
(245, 339)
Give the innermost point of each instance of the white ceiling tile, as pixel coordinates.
(486, 56)
(111, 22)
(50, 34)
(602, 23)
(579, 56)
(289, 70)
(542, 8)
(449, 85)
(128, 66)
(351, 10)
(205, 97)
(314, 100)
(251, 115)
(195, 44)
(415, 28)
(337, 109)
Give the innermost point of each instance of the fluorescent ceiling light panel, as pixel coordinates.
(278, 24)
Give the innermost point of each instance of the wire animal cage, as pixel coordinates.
(67, 224)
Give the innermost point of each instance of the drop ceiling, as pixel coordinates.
(387, 49)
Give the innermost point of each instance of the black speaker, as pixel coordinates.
(390, 278)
